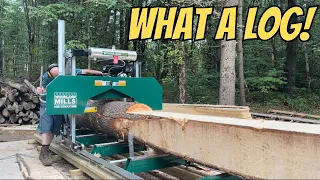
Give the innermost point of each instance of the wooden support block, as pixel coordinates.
(76, 173)
(57, 158)
(32, 141)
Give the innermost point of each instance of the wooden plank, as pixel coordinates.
(6, 125)
(287, 118)
(302, 115)
(210, 110)
(96, 172)
(248, 148)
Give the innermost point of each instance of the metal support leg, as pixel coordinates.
(73, 128)
(73, 65)
(137, 69)
(61, 44)
(131, 147)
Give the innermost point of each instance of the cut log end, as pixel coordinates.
(138, 108)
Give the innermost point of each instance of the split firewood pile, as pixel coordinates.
(19, 104)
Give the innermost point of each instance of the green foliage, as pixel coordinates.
(108, 4)
(76, 44)
(299, 104)
(271, 82)
(171, 91)
(53, 12)
(202, 88)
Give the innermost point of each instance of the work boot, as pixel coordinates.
(46, 156)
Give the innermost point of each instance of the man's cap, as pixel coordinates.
(52, 66)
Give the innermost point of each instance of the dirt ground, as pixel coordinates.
(19, 157)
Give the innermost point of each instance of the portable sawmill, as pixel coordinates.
(70, 95)
(122, 113)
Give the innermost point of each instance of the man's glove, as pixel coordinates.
(105, 74)
(40, 90)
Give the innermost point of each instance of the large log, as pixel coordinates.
(248, 148)
(108, 111)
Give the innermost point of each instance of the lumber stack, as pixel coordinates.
(248, 148)
(18, 104)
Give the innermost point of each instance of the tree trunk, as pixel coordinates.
(3, 61)
(291, 53)
(114, 28)
(2, 38)
(240, 56)
(106, 20)
(274, 52)
(182, 75)
(126, 32)
(273, 43)
(227, 66)
(307, 67)
(122, 30)
(31, 35)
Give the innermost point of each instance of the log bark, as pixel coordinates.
(35, 99)
(248, 148)
(14, 107)
(33, 89)
(5, 112)
(2, 101)
(15, 85)
(26, 97)
(11, 97)
(107, 113)
(2, 119)
(14, 118)
(3, 91)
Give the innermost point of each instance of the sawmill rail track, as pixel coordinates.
(98, 171)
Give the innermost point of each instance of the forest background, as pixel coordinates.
(260, 74)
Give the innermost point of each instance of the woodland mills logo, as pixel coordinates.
(65, 100)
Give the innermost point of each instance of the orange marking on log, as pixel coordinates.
(139, 108)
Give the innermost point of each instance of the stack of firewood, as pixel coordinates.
(18, 104)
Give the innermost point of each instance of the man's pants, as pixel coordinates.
(50, 123)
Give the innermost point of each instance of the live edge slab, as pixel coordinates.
(249, 148)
